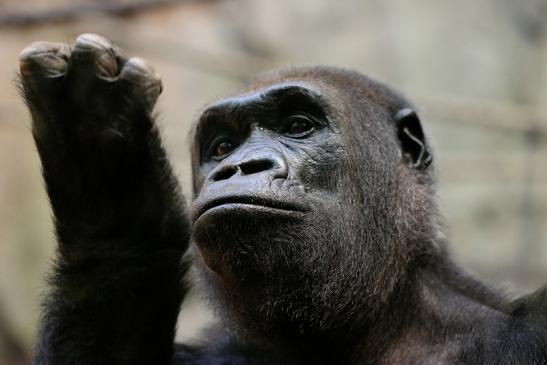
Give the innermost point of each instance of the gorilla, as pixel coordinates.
(313, 228)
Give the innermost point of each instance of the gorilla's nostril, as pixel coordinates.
(224, 173)
(255, 166)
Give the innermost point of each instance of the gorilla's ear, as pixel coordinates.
(411, 135)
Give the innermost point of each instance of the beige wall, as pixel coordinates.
(476, 69)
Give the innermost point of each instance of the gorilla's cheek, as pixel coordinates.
(318, 168)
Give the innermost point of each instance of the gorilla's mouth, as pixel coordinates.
(251, 203)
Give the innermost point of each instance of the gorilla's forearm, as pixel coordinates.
(115, 290)
(111, 310)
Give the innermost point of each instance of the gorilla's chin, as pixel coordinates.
(246, 240)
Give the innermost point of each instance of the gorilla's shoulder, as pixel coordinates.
(532, 308)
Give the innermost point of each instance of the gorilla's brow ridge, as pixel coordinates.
(235, 111)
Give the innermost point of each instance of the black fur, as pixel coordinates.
(314, 228)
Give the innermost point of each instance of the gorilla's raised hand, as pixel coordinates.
(91, 121)
(119, 216)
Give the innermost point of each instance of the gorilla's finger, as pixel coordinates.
(42, 68)
(94, 55)
(140, 77)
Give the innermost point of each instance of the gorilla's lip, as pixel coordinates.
(247, 200)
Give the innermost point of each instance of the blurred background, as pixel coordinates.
(477, 70)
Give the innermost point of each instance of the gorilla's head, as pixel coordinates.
(313, 196)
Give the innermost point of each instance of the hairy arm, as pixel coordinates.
(115, 290)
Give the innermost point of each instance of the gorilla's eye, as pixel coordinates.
(298, 126)
(222, 148)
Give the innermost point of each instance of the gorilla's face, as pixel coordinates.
(304, 202)
(268, 181)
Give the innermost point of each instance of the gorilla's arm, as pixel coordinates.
(119, 217)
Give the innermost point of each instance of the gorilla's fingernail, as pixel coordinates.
(107, 65)
(138, 70)
(92, 42)
(137, 67)
(45, 57)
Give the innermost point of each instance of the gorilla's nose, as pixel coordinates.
(251, 166)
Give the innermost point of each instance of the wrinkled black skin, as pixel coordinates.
(350, 268)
